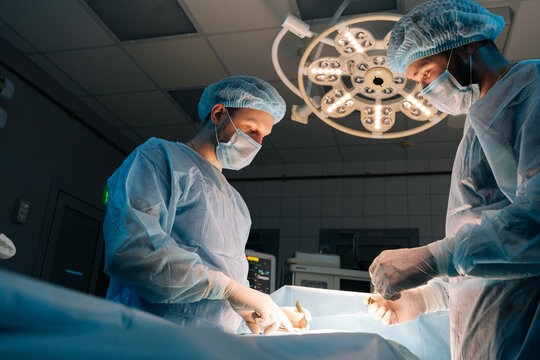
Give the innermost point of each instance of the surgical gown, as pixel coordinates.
(172, 216)
(493, 223)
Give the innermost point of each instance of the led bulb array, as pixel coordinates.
(419, 105)
(353, 42)
(377, 124)
(338, 103)
(326, 71)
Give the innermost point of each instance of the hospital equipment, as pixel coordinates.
(358, 78)
(262, 271)
(324, 272)
(20, 213)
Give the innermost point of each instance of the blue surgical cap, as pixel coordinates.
(439, 25)
(242, 91)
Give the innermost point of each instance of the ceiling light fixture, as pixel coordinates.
(374, 90)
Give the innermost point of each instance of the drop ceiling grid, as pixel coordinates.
(229, 24)
(180, 112)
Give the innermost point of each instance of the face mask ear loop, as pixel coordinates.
(230, 119)
(449, 58)
(215, 132)
(470, 69)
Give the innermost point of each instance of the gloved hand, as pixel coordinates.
(257, 309)
(411, 304)
(299, 320)
(396, 270)
(408, 307)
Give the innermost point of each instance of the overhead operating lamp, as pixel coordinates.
(357, 79)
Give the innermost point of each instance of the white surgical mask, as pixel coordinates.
(238, 152)
(448, 95)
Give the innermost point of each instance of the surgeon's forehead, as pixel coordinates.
(259, 118)
(411, 71)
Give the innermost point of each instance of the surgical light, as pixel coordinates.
(357, 79)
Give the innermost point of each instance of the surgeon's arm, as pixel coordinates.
(139, 251)
(506, 244)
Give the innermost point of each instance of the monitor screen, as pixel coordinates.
(261, 272)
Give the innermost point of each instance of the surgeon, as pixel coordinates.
(175, 229)
(491, 252)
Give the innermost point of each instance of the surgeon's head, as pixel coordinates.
(240, 111)
(438, 26)
(441, 34)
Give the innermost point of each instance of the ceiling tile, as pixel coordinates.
(433, 150)
(373, 152)
(249, 53)
(51, 69)
(237, 15)
(54, 24)
(266, 156)
(320, 9)
(103, 112)
(142, 19)
(287, 95)
(439, 132)
(132, 135)
(178, 63)
(143, 109)
(524, 33)
(290, 134)
(14, 39)
(188, 100)
(102, 70)
(310, 155)
(180, 133)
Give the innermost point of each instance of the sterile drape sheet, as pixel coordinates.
(428, 337)
(40, 320)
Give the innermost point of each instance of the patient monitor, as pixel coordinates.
(262, 271)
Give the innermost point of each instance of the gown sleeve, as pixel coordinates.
(506, 243)
(139, 251)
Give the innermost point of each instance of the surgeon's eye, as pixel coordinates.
(426, 74)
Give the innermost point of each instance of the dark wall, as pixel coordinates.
(43, 147)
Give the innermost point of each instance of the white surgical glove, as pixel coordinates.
(7, 249)
(396, 270)
(257, 309)
(411, 304)
(299, 320)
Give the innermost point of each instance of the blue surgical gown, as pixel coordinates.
(493, 223)
(172, 216)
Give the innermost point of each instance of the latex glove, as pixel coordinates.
(396, 270)
(411, 304)
(408, 307)
(257, 309)
(299, 320)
